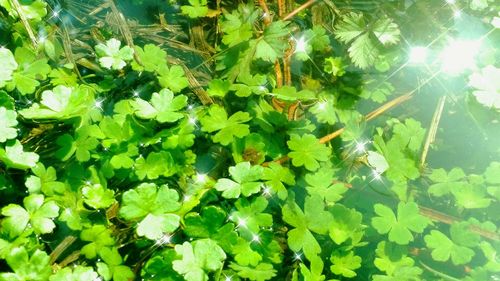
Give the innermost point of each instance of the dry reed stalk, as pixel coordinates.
(431, 135)
(299, 9)
(25, 23)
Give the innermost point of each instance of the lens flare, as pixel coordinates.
(459, 56)
(418, 55)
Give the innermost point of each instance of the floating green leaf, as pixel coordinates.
(226, 128)
(275, 177)
(364, 49)
(307, 151)
(245, 181)
(14, 156)
(211, 224)
(400, 228)
(487, 86)
(312, 219)
(273, 42)
(444, 248)
(163, 107)
(444, 182)
(111, 56)
(99, 237)
(7, 124)
(35, 267)
(112, 267)
(173, 78)
(30, 70)
(345, 264)
(61, 103)
(198, 258)
(197, 8)
(9, 64)
(37, 215)
(153, 207)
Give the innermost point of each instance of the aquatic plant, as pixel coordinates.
(227, 140)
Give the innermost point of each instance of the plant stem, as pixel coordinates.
(68, 241)
(68, 51)
(25, 23)
(267, 15)
(438, 273)
(431, 136)
(279, 74)
(372, 115)
(196, 87)
(124, 29)
(447, 219)
(299, 9)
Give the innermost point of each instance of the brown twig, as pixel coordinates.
(292, 110)
(431, 135)
(331, 136)
(277, 66)
(195, 86)
(25, 22)
(279, 74)
(267, 15)
(372, 115)
(124, 28)
(299, 9)
(368, 117)
(447, 219)
(281, 8)
(286, 63)
(388, 106)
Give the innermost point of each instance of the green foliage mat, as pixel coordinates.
(222, 140)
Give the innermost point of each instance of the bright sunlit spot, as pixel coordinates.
(360, 147)
(55, 13)
(459, 56)
(376, 176)
(42, 38)
(457, 14)
(256, 238)
(300, 45)
(322, 105)
(136, 94)
(450, 1)
(201, 178)
(297, 257)
(418, 55)
(192, 120)
(165, 239)
(98, 104)
(266, 191)
(242, 223)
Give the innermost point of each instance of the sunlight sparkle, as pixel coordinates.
(201, 178)
(256, 238)
(418, 55)
(300, 45)
(459, 56)
(165, 239)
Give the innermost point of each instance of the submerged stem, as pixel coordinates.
(431, 136)
(25, 22)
